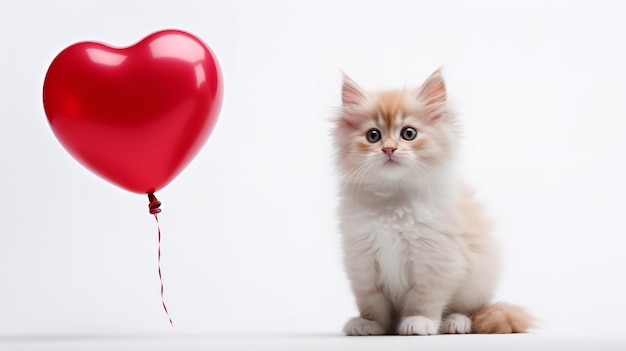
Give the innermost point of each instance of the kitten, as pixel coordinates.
(417, 247)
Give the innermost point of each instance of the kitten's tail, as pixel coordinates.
(501, 318)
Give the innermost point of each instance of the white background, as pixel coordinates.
(250, 244)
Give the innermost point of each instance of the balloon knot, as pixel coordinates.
(154, 204)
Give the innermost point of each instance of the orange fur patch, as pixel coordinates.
(390, 106)
(501, 318)
(364, 146)
(419, 143)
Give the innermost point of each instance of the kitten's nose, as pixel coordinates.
(389, 150)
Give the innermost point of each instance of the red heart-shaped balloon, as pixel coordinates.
(137, 115)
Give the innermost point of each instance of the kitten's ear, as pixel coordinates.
(351, 93)
(433, 91)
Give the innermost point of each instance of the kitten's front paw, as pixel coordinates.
(457, 323)
(361, 326)
(418, 325)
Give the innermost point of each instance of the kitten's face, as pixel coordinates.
(394, 137)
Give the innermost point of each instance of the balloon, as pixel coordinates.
(135, 116)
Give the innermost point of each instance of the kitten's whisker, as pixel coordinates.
(355, 177)
(426, 177)
(365, 175)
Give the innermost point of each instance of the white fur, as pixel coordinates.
(418, 325)
(406, 238)
(358, 326)
(456, 323)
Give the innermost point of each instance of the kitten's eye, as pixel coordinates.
(408, 133)
(373, 135)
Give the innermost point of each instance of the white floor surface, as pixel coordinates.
(534, 342)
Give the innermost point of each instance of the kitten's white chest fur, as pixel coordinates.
(405, 240)
(391, 229)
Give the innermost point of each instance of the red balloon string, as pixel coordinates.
(154, 209)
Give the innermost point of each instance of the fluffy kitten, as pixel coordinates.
(417, 246)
